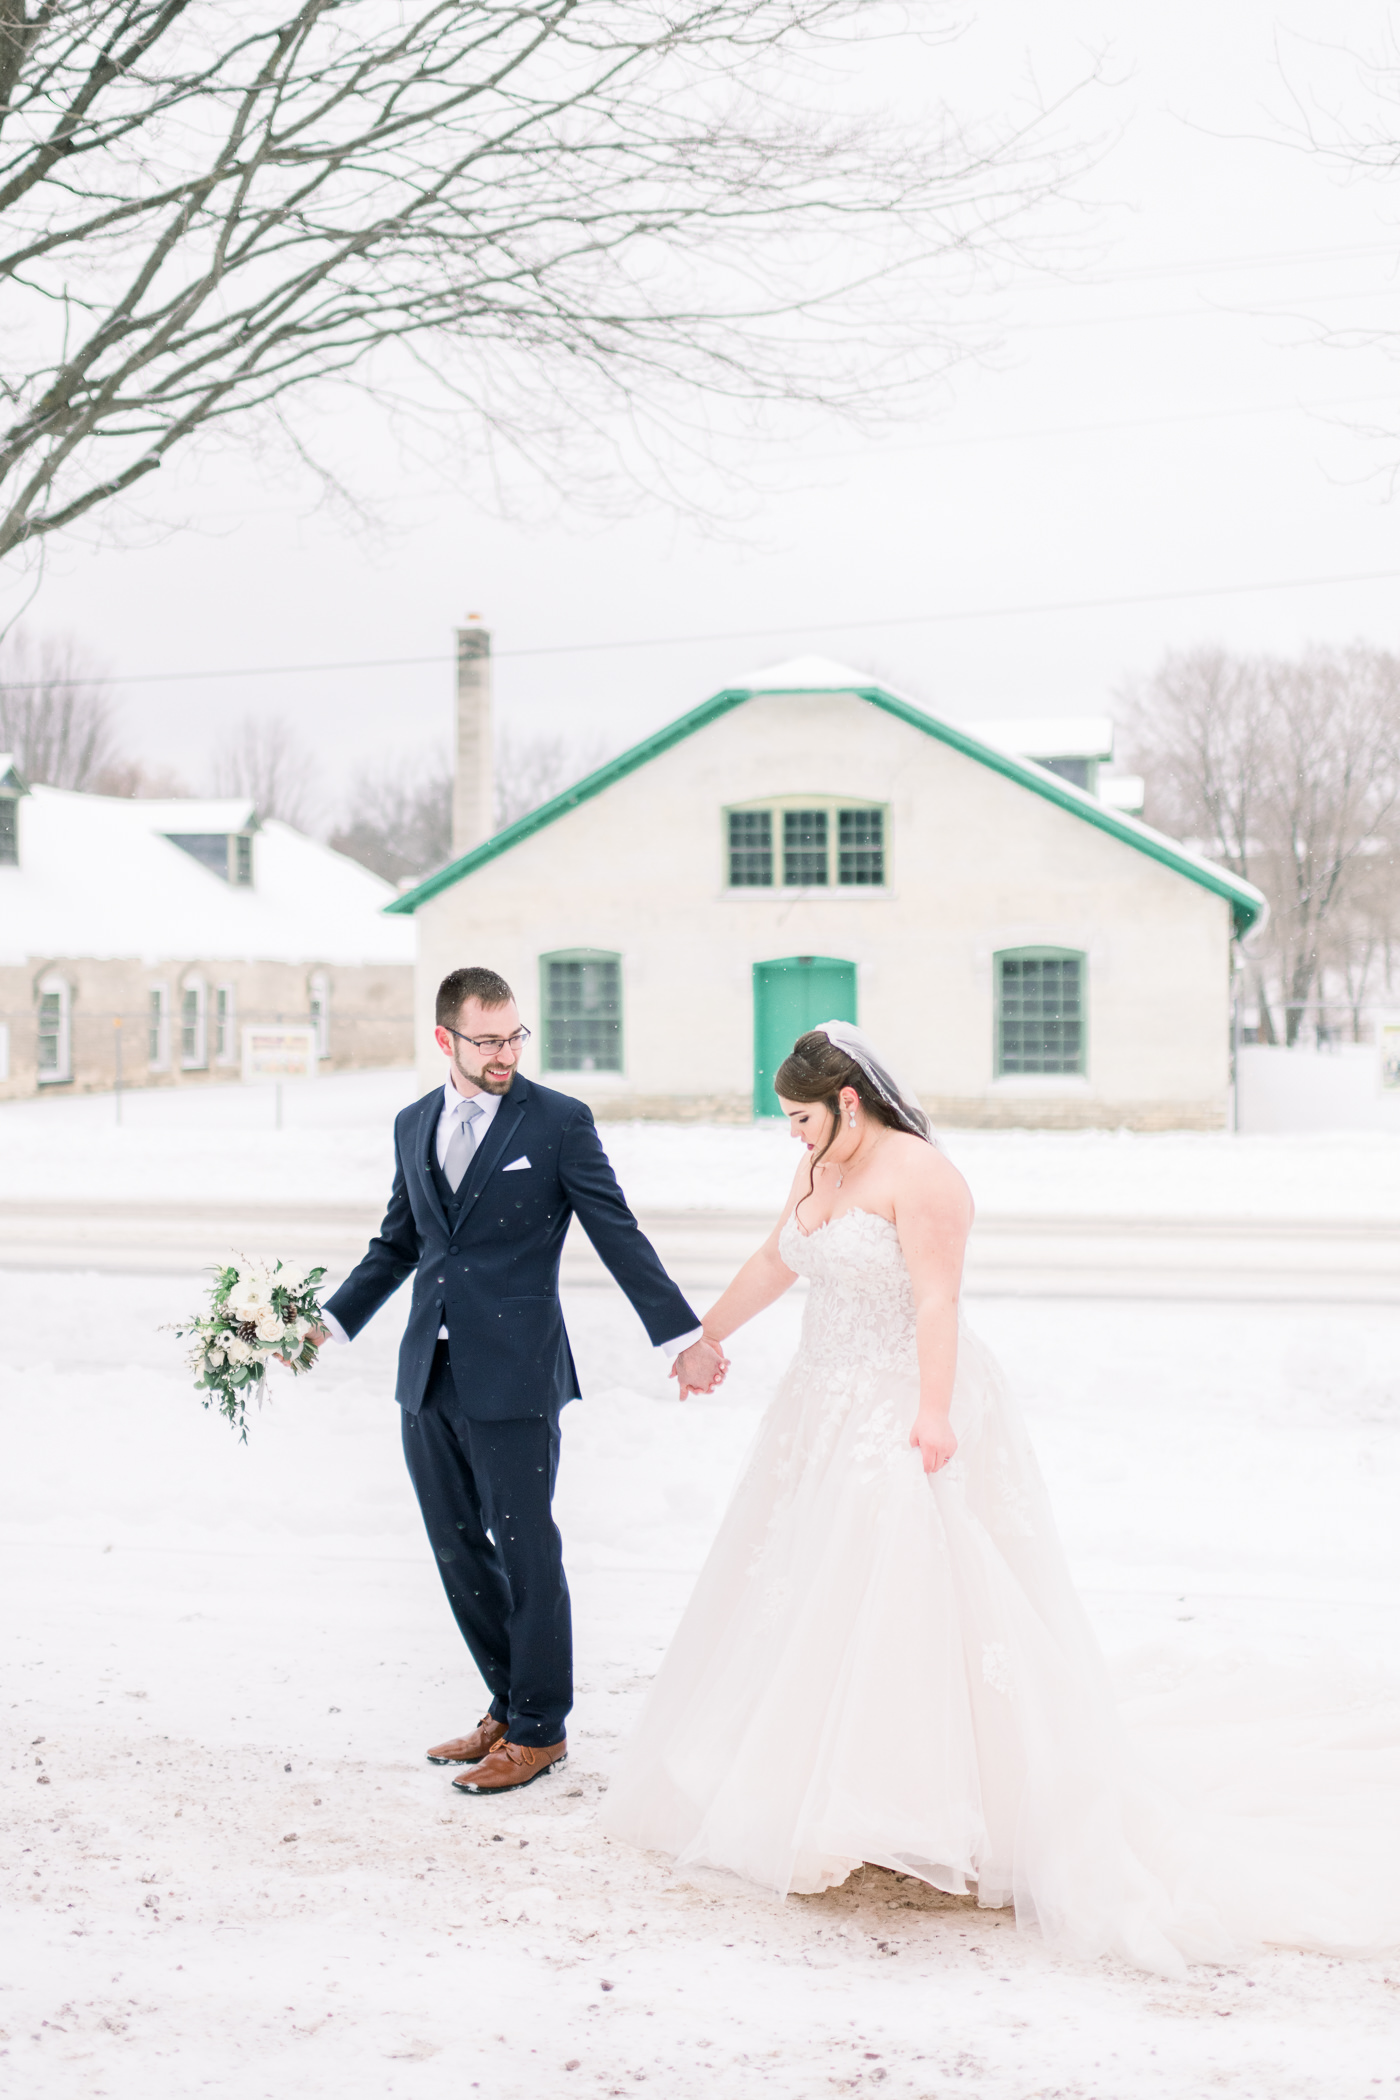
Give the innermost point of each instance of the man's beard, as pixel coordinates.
(488, 1086)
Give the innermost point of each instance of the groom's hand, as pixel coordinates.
(316, 1337)
(700, 1368)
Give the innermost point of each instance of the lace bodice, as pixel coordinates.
(860, 1314)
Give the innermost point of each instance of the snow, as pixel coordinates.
(1047, 736)
(98, 877)
(212, 1143)
(188, 1618)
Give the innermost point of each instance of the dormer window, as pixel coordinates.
(227, 854)
(803, 843)
(11, 788)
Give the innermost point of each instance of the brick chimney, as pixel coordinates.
(474, 779)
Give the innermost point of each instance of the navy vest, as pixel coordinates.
(450, 1199)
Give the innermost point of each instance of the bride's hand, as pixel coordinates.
(932, 1437)
(700, 1368)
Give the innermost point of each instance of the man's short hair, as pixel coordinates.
(487, 987)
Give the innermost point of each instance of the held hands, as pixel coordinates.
(932, 1437)
(700, 1368)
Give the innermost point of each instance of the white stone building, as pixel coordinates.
(808, 844)
(153, 930)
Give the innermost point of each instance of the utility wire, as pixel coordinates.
(736, 634)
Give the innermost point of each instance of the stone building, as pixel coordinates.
(150, 932)
(808, 844)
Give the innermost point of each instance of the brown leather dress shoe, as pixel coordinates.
(511, 1765)
(467, 1749)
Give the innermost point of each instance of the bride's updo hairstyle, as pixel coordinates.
(816, 1070)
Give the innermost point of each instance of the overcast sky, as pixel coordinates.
(1195, 405)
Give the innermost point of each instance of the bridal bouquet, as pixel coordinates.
(257, 1311)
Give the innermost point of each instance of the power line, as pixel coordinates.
(743, 634)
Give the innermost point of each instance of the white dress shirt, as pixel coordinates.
(453, 1101)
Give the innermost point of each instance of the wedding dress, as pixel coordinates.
(879, 1665)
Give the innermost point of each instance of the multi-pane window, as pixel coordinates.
(1040, 1012)
(157, 1028)
(860, 846)
(224, 1025)
(804, 848)
(817, 847)
(53, 1034)
(9, 831)
(319, 1002)
(582, 1001)
(751, 848)
(241, 859)
(192, 1040)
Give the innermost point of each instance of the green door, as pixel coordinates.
(789, 997)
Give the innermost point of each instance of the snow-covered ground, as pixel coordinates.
(221, 1143)
(250, 1644)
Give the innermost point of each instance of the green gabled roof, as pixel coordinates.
(1246, 903)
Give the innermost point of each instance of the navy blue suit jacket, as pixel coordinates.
(492, 1278)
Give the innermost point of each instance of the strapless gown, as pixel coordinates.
(878, 1665)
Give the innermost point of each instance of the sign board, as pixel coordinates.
(276, 1050)
(1388, 1036)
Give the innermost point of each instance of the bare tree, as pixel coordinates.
(53, 716)
(533, 770)
(536, 213)
(1288, 773)
(399, 821)
(134, 780)
(265, 760)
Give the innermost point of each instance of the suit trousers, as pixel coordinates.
(485, 1490)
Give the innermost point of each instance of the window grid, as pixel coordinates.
(192, 1056)
(582, 1013)
(9, 831)
(242, 859)
(156, 1053)
(51, 1033)
(860, 847)
(1040, 1014)
(821, 848)
(751, 848)
(223, 1024)
(804, 849)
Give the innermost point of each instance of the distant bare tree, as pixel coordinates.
(399, 821)
(1289, 773)
(534, 213)
(265, 760)
(53, 716)
(134, 780)
(532, 770)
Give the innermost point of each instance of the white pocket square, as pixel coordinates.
(517, 1165)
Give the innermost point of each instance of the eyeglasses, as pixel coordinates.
(490, 1044)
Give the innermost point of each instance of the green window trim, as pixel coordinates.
(813, 843)
(581, 1009)
(1041, 1026)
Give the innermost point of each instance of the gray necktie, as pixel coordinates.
(461, 1144)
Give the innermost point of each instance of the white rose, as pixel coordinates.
(270, 1328)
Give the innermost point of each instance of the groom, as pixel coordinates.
(489, 1169)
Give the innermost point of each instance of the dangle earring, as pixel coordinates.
(853, 1119)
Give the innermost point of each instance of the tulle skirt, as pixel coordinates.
(880, 1666)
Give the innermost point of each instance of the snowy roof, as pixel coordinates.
(1048, 736)
(9, 778)
(98, 876)
(819, 674)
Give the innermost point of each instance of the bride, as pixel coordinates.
(884, 1658)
